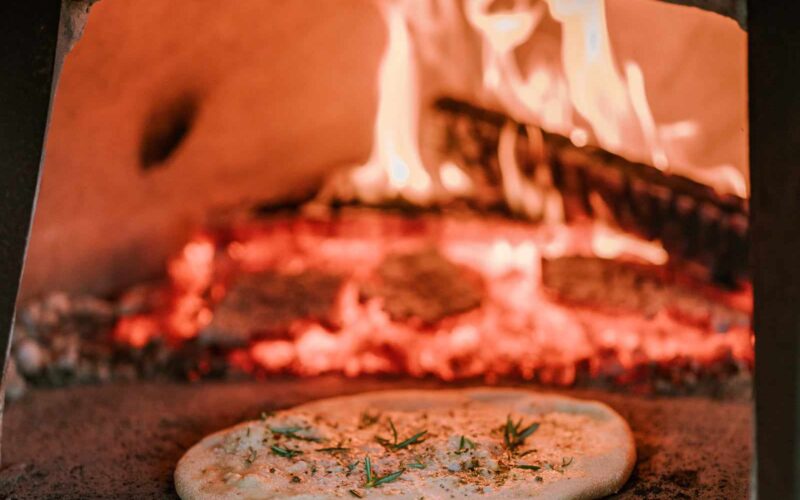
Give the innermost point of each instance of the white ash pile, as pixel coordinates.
(62, 339)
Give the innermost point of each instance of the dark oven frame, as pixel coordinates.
(37, 34)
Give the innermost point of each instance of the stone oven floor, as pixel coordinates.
(122, 440)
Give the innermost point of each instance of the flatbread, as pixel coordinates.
(478, 443)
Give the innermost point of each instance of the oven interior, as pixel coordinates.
(251, 205)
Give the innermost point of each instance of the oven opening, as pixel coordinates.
(359, 194)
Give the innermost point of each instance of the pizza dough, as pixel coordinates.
(481, 443)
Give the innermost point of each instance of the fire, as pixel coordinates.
(519, 329)
(394, 168)
(587, 95)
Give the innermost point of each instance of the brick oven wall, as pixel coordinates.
(272, 95)
(274, 105)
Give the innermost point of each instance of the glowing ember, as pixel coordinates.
(519, 328)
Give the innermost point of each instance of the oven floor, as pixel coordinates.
(123, 440)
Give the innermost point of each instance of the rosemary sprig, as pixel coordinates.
(394, 430)
(373, 481)
(416, 465)
(388, 478)
(514, 436)
(394, 445)
(356, 493)
(464, 445)
(285, 430)
(291, 432)
(368, 469)
(334, 449)
(367, 419)
(415, 439)
(527, 467)
(284, 452)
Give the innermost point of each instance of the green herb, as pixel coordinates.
(394, 445)
(368, 469)
(284, 452)
(415, 439)
(528, 467)
(524, 453)
(373, 481)
(291, 432)
(465, 444)
(285, 430)
(416, 465)
(514, 435)
(367, 419)
(388, 478)
(251, 457)
(334, 449)
(356, 493)
(351, 466)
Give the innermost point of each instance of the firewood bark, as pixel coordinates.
(696, 224)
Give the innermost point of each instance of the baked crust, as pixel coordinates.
(583, 449)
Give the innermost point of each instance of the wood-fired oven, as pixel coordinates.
(250, 204)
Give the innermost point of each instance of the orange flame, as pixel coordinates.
(586, 95)
(394, 168)
(519, 328)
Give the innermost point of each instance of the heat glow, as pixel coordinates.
(587, 95)
(519, 330)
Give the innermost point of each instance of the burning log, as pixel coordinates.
(424, 286)
(508, 329)
(266, 304)
(696, 224)
(632, 287)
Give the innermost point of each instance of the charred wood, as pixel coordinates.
(618, 286)
(265, 305)
(696, 224)
(424, 286)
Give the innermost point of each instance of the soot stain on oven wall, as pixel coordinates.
(166, 128)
